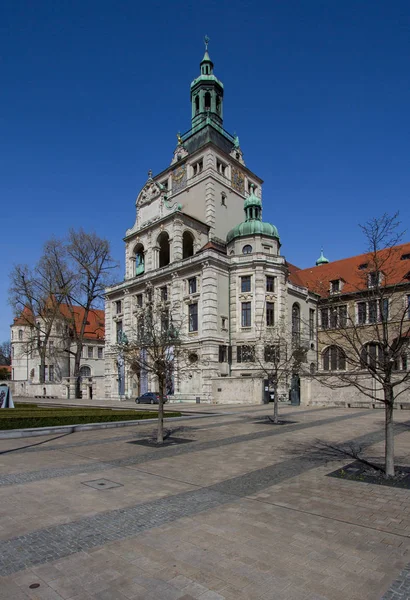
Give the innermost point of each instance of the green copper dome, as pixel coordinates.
(254, 227)
(322, 260)
(253, 224)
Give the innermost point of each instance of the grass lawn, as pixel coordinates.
(30, 415)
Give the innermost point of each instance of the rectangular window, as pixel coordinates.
(197, 167)
(270, 283)
(164, 293)
(246, 314)
(372, 311)
(139, 300)
(165, 322)
(118, 332)
(333, 317)
(342, 315)
(193, 317)
(408, 307)
(245, 354)
(373, 279)
(100, 353)
(221, 167)
(335, 286)
(51, 373)
(311, 324)
(51, 346)
(118, 307)
(246, 283)
(271, 353)
(192, 285)
(384, 309)
(90, 352)
(361, 313)
(324, 316)
(270, 314)
(223, 354)
(224, 323)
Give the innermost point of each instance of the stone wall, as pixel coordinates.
(315, 393)
(237, 390)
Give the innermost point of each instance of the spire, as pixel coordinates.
(322, 260)
(206, 94)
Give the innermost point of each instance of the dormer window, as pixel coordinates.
(363, 266)
(405, 257)
(335, 286)
(373, 279)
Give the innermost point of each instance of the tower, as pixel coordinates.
(206, 94)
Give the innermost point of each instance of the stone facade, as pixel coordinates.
(216, 284)
(59, 360)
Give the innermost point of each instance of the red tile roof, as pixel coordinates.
(94, 328)
(354, 278)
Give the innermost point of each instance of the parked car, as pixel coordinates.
(149, 398)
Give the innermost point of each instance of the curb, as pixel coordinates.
(37, 431)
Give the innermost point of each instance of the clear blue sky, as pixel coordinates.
(93, 94)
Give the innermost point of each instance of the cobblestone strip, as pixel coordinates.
(160, 453)
(400, 589)
(55, 542)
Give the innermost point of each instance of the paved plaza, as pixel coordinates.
(242, 510)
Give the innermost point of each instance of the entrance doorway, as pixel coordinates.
(295, 390)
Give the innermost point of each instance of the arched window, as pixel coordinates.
(247, 249)
(20, 334)
(139, 259)
(218, 104)
(187, 244)
(371, 355)
(334, 359)
(164, 254)
(196, 104)
(207, 101)
(85, 371)
(296, 323)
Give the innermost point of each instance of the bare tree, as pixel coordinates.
(368, 339)
(283, 356)
(71, 275)
(5, 353)
(90, 268)
(36, 295)
(155, 347)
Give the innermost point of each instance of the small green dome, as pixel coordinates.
(322, 260)
(253, 227)
(252, 200)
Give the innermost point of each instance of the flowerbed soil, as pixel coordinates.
(358, 471)
(22, 417)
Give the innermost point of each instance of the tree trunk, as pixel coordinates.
(76, 371)
(275, 403)
(160, 434)
(389, 432)
(42, 375)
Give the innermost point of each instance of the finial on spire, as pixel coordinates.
(150, 174)
(206, 40)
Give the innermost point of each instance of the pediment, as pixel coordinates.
(149, 192)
